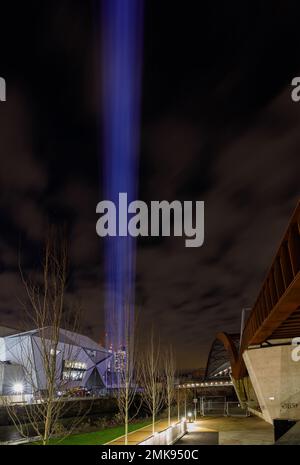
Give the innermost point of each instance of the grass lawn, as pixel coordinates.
(97, 437)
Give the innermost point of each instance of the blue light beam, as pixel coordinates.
(122, 35)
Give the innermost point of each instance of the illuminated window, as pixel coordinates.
(73, 370)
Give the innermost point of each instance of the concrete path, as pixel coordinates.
(198, 438)
(140, 435)
(228, 431)
(212, 430)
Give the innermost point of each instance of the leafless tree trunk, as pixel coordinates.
(169, 375)
(45, 311)
(128, 377)
(152, 389)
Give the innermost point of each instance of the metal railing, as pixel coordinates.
(283, 272)
(222, 408)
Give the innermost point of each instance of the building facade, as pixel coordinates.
(80, 362)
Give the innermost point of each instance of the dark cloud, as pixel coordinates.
(248, 205)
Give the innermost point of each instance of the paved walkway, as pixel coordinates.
(140, 435)
(199, 438)
(228, 431)
(212, 430)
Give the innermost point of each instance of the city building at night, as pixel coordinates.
(80, 363)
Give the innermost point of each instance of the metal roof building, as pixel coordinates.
(80, 362)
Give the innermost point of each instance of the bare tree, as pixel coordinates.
(169, 375)
(128, 374)
(45, 310)
(152, 388)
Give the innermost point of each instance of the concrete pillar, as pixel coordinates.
(276, 380)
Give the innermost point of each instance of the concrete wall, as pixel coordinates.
(166, 437)
(89, 406)
(276, 380)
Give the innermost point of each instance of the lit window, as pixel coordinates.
(73, 370)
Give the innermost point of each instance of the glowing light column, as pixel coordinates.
(122, 34)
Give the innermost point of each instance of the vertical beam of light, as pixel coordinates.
(122, 35)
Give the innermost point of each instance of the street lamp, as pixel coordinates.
(195, 407)
(190, 415)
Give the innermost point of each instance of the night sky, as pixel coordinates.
(218, 124)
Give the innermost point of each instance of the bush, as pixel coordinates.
(59, 429)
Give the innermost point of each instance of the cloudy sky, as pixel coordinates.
(218, 125)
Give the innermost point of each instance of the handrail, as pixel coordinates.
(282, 274)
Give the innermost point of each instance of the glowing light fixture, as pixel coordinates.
(18, 388)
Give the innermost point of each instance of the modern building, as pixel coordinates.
(80, 362)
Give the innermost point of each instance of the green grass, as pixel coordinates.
(97, 437)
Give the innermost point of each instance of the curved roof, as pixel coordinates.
(219, 356)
